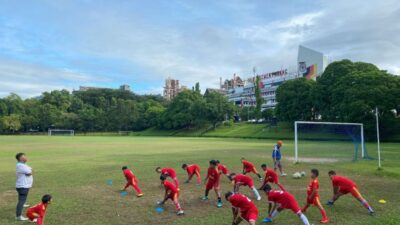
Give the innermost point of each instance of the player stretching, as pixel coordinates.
(222, 168)
(270, 177)
(313, 196)
(213, 180)
(38, 212)
(169, 172)
(282, 200)
(243, 180)
(249, 167)
(341, 186)
(276, 157)
(171, 192)
(241, 203)
(131, 181)
(192, 169)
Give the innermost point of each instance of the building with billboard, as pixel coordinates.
(310, 64)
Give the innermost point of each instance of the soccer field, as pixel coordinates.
(75, 171)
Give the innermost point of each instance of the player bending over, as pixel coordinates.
(222, 168)
(249, 167)
(270, 177)
(276, 157)
(38, 212)
(282, 200)
(131, 181)
(192, 169)
(241, 203)
(171, 192)
(243, 180)
(169, 172)
(341, 186)
(213, 181)
(313, 196)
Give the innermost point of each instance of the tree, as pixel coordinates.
(259, 99)
(295, 100)
(268, 114)
(11, 123)
(217, 108)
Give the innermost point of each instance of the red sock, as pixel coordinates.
(39, 221)
(137, 189)
(177, 206)
(323, 213)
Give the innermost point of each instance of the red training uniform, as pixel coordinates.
(223, 169)
(192, 169)
(172, 189)
(131, 180)
(39, 209)
(171, 173)
(213, 178)
(248, 210)
(313, 187)
(345, 186)
(244, 180)
(248, 167)
(284, 199)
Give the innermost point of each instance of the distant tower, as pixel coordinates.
(172, 88)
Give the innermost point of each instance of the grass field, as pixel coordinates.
(75, 170)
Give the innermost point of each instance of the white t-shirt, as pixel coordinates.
(23, 179)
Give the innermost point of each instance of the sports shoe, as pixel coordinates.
(283, 175)
(259, 198)
(33, 221)
(371, 212)
(26, 205)
(267, 220)
(330, 203)
(324, 221)
(139, 195)
(204, 198)
(180, 212)
(21, 218)
(219, 204)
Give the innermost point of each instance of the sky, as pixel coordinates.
(63, 44)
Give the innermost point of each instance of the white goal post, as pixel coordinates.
(296, 123)
(52, 132)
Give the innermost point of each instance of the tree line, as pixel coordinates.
(346, 92)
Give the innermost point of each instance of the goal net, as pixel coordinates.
(324, 142)
(61, 132)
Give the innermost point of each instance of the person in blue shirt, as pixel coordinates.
(276, 157)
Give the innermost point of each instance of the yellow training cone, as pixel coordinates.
(382, 201)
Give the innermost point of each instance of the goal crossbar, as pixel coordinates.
(296, 156)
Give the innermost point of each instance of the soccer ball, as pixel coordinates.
(303, 173)
(296, 175)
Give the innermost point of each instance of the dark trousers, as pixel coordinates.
(22, 196)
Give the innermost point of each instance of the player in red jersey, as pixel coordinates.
(270, 177)
(213, 181)
(241, 203)
(169, 172)
(282, 200)
(171, 192)
(313, 196)
(192, 169)
(131, 181)
(38, 212)
(243, 180)
(222, 168)
(341, 186)
(249, 167)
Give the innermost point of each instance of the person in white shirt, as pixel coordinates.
(23, 183)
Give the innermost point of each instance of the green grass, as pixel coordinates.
(75, 170)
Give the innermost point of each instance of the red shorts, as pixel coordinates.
(212, 184)
(30, 216)
(250, 184)
(250, 215)
(173, 195)
(354, 191)
(314, 201)
(292, 206)
(251, 170)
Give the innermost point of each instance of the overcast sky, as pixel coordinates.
(56, 44)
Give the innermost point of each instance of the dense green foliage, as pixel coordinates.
(111, 110)
(346, 92)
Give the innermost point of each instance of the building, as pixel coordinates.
(123, 87)
(172, 88)
(310, 64)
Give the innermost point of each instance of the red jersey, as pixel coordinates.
(170, 187)
(223, 169)
(213, 174)
(39, 209)
(243, 180)
(343, 183)
(168, 172)
(191, 169)
(129, 175)
(313, 186)
(247, 164)
(271, 176)
(241, 202)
